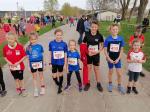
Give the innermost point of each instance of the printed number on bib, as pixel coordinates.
(114, 47)
(15, 68)
(93, 48)
(37, 65)
(72, 61)
(58, 54)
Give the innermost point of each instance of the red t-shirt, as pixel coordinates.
(14, 55)
(141, 37)
(6, 27)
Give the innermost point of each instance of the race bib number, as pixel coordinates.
(37, 65)
(114, 47)
(72, 61)
(58, 54)
(15, 68)
(93, 48)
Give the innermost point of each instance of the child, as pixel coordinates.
(58, 49)
(113, 46)
(135, 59)
(3, 91)
(35, 56)
(94, 41)
(14, 54)
(73, 64)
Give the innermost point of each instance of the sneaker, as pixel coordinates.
(135, 90)
(3, 93)
(0, 91)
(42, 92)
(121, 89)
(87, 86)
(59, 90)
(128, 90)
(67, 87)
(142, 74)
(18, 90)
(24, 93)
(36, 94)
(80, 87)
(99, 87)
(110, 87)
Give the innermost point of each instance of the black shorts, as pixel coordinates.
(57, 68)
(95, 60)
(35, 70)
(133, 76)
(17, 74)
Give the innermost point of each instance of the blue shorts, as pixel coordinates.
(111, 65)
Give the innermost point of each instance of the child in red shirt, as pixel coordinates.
(6, 27)
(14, 54)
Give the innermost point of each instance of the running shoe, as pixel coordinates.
(3, 93)
(110, 87)
(67, 87)
(36, 94)
(87, 87)
(99, 87)
(135, 90)
(42, 92)
(80, 87)
(121, 89)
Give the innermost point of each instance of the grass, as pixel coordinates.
(23, 40)
(126, 31)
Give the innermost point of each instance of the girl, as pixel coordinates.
(135, 59)
(73, 64)
(58, 49)
(16, 65)
(113, 47)
(35, 56)
(94, 41)
(3, 91)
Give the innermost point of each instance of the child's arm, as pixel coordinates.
(20, 61)
(9, 63)
(79, 63)
(50, 55)
(107, 57)
(120, 55)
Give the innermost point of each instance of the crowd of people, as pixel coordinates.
(65, 57)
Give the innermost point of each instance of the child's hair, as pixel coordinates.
(11, 34)
(33, 34)
(58, 30)
(113, 25)
(95, 22)
(72, 41)
(138, 28)
(136, 41)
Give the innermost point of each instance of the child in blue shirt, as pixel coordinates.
(113, 47)
(35, 55)
(73, 64)
(58, 55)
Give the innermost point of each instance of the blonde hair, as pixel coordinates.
(12, 35)
(58, 30)
(113, 25)
(136, 41)
(33, 34)
(72, 41)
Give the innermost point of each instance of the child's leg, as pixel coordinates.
(54, 74)
(97, 73)
(34, 75)
(69, 78)
(89, 69)
(2, 80)
(110, 73)
(41, 79)
(78, 78)
(119, 75)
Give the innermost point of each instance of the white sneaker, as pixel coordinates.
(36, 94)
(42, 92)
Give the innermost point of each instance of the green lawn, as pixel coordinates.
(126, 31)
(23, 40)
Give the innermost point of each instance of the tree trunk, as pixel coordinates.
(134, 5)
(141, 10)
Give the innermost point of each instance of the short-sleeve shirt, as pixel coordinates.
(15, 55)
(135, 67)
(141, 38)
(73, 64)
(93, 41)
(58, 50)
(35, 52)
(114, 46)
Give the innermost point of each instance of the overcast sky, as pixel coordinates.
(36, 4)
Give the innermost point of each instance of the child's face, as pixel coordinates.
(94, 28)
(136, 46)
(33, 39)
(72, 45)
(59, 36)
(11, 40)
(114, 30)
(137, 33)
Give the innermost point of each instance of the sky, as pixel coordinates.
(7, 5)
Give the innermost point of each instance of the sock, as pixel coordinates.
(56, 81)
(60, 81)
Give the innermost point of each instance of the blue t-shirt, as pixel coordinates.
(73, 64)
(35, 52)
(114, 46)
(58, 50)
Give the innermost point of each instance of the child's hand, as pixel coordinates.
(116, 61)
(109, 60)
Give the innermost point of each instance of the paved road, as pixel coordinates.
(72, 100)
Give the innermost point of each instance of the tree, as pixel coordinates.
(124, 5)
(141, 10)
(50, 5)
(133, 8)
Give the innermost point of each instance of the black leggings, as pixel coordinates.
(77, 75)
(2, 84)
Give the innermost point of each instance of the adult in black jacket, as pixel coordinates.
(145, 24)
(80, 28)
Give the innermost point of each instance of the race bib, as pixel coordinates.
(58, 54)
(15, 68)
(17, 52)
(114, 47)
(93, 48)
(37, 65)
(72, 61)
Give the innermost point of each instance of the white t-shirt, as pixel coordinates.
(135, 67)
